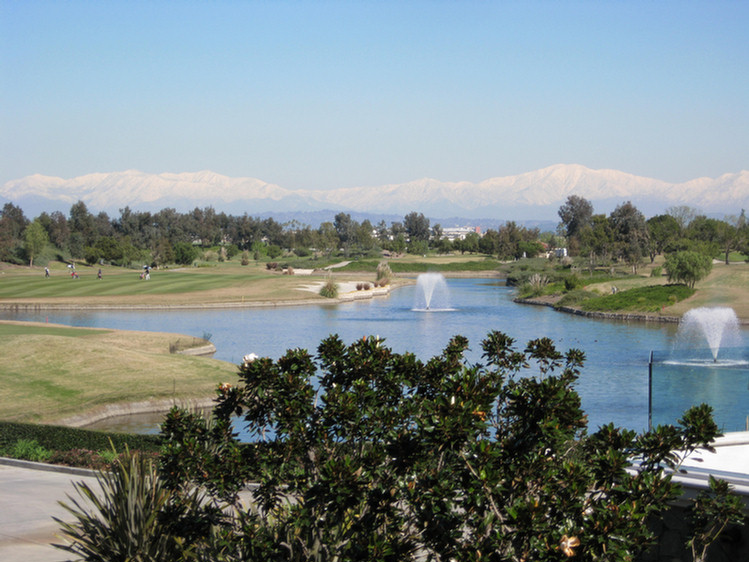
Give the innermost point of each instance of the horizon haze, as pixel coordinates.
(535, 195)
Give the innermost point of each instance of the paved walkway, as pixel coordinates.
(28, 501)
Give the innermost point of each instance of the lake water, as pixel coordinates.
(613, 385)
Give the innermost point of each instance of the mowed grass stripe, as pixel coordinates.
(7, 330)
(120, 284)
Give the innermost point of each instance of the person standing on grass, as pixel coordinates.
(46, 272)
(99, 274)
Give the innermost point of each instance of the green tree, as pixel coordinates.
(470, 243)
(387, 456)
(597, 240)
(663, 231)
(509, 237)
(58, 230)
(12, 224)
(630, 234)
(345, 228)
(363, 236)
(185, 253)
(728, 238)
(109, 249)
(328, 238)
(489, 242)
(418, 247)
(417, 226)
(575, 214)
(35, 238)
(398, 244)
(688, 267)
(437, 233)
(82, 222)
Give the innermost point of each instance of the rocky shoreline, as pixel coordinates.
(622, 316)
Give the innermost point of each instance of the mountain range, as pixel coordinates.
(531, 195)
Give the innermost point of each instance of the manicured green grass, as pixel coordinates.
(40, 329)
(125, 283)
(641, 299)
(49, 373)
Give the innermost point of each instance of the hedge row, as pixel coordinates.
(366, 266)
(61, 438)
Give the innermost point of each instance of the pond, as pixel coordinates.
(613, 385)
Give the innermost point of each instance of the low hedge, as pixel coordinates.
(366, 266)
(61, 438)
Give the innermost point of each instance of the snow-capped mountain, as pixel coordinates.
(535, 194)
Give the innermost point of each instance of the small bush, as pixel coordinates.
(383, 272)
(302, 252)
(271, 265)
(125, 521)
(210, 255)
(656, 271)
(330, 289)
(85, 458)
(29, 450)
(536, 284)
(572, 282)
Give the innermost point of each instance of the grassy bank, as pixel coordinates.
(727, 285)
(49, 373)
(175, 287)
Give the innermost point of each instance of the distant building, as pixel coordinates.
(460, 232)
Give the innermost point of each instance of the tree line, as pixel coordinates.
(689, 240)
(624, 236)
(169, 237)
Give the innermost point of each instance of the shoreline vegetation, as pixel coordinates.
(106, 370)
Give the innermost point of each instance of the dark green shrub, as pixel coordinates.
(61, 438)
(385, 457)
(572, 282)
(185, 253)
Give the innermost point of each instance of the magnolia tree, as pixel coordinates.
(361, 453)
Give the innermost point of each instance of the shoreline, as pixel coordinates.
(344, 297)
(598, 315)
(133, 408)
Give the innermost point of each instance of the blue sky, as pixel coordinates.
(319, 95)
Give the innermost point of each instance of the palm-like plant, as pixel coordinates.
(121, 518)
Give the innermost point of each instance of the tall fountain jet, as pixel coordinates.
(431, 292)
(714, 326)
